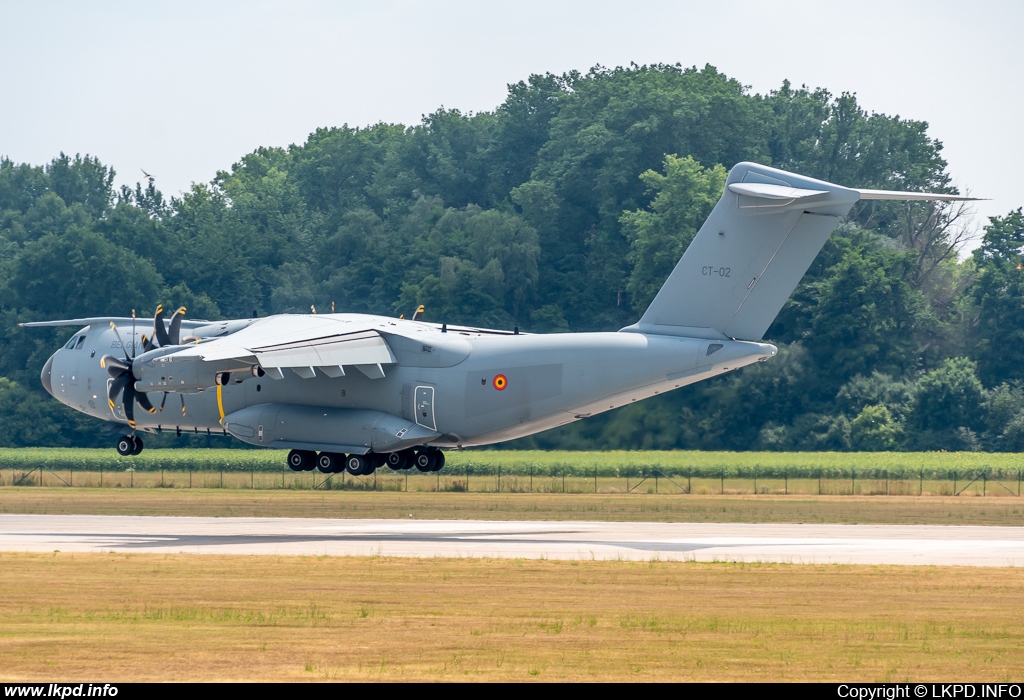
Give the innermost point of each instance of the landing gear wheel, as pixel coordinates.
(399, 460)
(126, 446)
(330, 463)
(301, 460)
(358, 465)
(138, 445)
(439, 463)
(425, 460)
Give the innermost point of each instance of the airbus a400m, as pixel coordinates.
(356, 392)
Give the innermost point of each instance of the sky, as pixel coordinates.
(184, 89)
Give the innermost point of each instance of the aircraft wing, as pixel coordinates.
(303, 344)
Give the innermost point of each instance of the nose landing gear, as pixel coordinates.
(129, 445)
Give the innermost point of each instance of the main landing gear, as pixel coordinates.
(129, 445)
(426, 459)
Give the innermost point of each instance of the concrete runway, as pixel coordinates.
(819, 544)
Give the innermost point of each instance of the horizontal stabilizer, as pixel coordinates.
(914, 196)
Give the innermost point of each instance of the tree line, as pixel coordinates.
(563, 209)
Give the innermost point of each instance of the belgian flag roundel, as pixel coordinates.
(500, 382)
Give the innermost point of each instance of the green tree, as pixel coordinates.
(875, 430)
(998, 293)
(658, 235)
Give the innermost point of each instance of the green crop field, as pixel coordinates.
(788, 473)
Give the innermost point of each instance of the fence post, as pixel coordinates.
(954, 482)
(222, 475)
(853, 481)
(984, 482)
(887, 482)
(499, 478)
(563, 478)
(819, 481)
(595, 478)
(688, 489)
(531, 478)
(721, 491)
(190, 476)
(252, 477)
(1018, 482)
(920, 488)
(755, 479)
(71, 477)
(131, 478)
(467, 477)
(785, 480)
(101, 475)
(656, 472)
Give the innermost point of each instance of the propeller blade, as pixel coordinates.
(115, 366)
(163, 402)
(144, 402)
(147, 344)
(159, 329)
(175, 333)
(182, 403)
(129, 403)
(124, 347)
(116, 387)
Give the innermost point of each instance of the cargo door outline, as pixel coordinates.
(425, 407)
(118, 410)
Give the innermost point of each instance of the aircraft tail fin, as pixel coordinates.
(752, 251)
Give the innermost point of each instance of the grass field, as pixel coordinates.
(517, 506)
(182, 617)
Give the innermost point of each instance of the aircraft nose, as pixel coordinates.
(44, 376)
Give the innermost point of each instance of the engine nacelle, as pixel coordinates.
(349, 430)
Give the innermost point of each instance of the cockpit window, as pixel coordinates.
(81, 342)
(71, 343)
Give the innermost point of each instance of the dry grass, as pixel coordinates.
(962, 510)
(183, 617)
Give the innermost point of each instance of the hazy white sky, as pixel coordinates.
(183, 89)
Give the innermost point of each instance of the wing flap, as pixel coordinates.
(362, 348)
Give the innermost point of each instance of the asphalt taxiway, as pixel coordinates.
(796, 543)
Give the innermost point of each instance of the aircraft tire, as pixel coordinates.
(125, 446)
(438, 460)
(330, 462)
(398, 460)
(301, 460)
(358, 465)
(425, 460)
(137, 450)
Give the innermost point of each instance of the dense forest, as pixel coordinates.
(562, 210)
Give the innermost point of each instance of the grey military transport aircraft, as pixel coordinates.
(355, 392)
